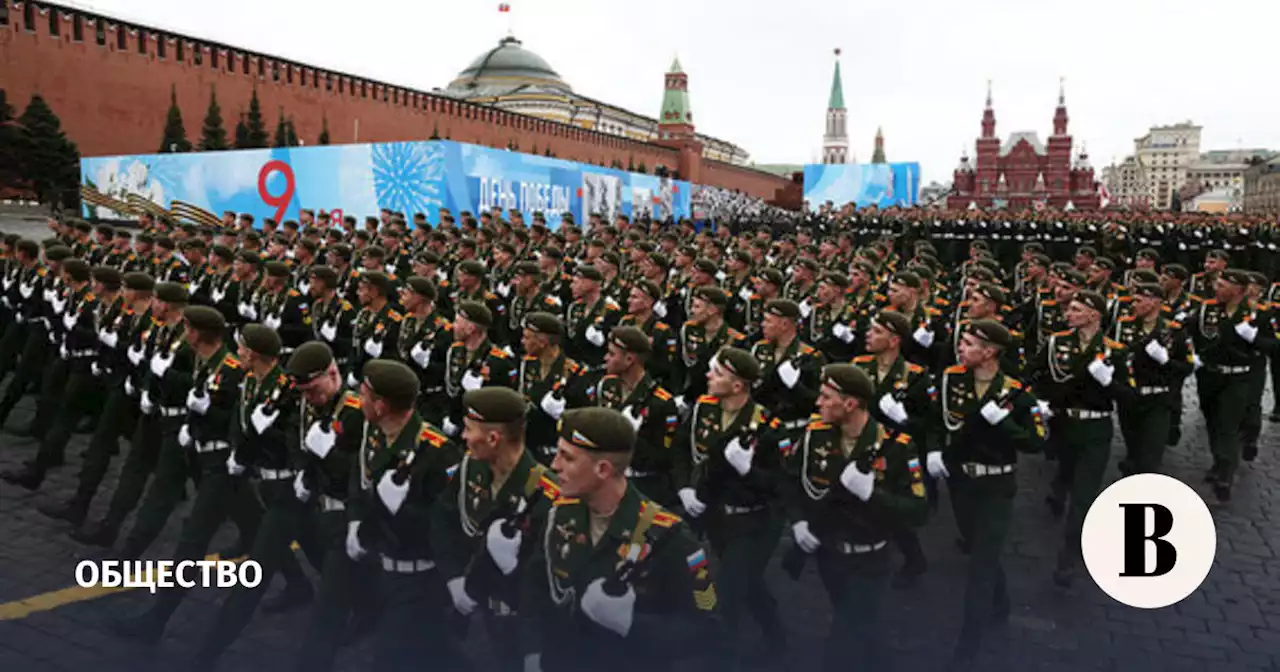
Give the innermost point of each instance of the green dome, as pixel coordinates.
(508, 60)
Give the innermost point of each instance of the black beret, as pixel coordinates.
(712, 295)
(278, 269)
(1148, 289)
(1236, 276)
(203, 318)
(992, 332)
(991, 291)
(471, 267)
(325, 274)
(261, 339)
(907, 279)
(897, 323)
(849, 380)
(784, 308)
(377, 279)
(1073, 277)
(392, 381)
(476, 312)
(631, 339)
(108, 276)
(309, 361)
(422, 286)
(1176, 271)
(739, 362)
(78, 269)
(139, 281)
(648, 288)
(1093, 300)
(598, 429)
(589, 272)
(494, 404)
(250, 257)
(543, 323)
(706, 266)
(57, 253)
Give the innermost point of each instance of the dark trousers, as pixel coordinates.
(139, 463)
(1175, 415)
(119, 416)
(1251, 423)
(1275, 380)
(856, 585)
(984, 511)
(172, 471)
(11, 345)
(412, 627)
(344, 590)
(1144, 424)
(78, 393)
(1223, 398)
(29, 371)
(743, 545)
(1084, 451)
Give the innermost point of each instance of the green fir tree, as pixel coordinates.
(324, 131)
(213, 137)
(242, 133)
(175, 136)
(256, 129)
(49, 161)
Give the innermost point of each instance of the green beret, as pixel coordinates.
(631, 339)
(250, 257)
(527, 268)
(223, 252)
(809, 264)
(108, 276)
(739, 362)
(195, 244)
(589, 272)
(907, 279)
(83, 226)
(57, 253)
(165, 243)
(172, 292)
(923, 272)
(1093, 300)
(706, 266)
(495, 404)
(1104, 262)
(278, 269)
(836, 279)
(865, 266)
(325, 274)
(598, 429)
(379, 280)
(1033, 247)
(427, 257)
(897, 323)
(146, 238)
(648, 288)
(309, 361)
(991, 291)
(1176, 271)
(784, 308)
(849, 380)
(1040, 259)
(476, 312)
(29, 247)
(712, 295)
(1144, 275)
(611, 258)
(261, 339)
(1148, 289)
(1219, 254)
(342, 250)
(992, 332)
(1072, 277)
(982, 274)
(78, 269)
(1258, 278)
(392, 381)
(980, 245)
(742, 256)
(773, 276)
(543, 323)
(374, 252)
(204, 319)
(1087, 251)
(139, 281)
(422, 286)
(471, 267)
(1236, 276)
(1149, 253)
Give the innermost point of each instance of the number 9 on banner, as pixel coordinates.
(281, 202)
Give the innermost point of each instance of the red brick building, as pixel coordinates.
(109, 81)
(1024, 172)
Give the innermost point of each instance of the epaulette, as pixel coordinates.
(806, 349)
(1013, 382)
(860, 359)
(932, 311)
(346, 305)
(914, 368)
(759, 416)
(530, 358)
(736, 335)
(1126, 297)
(816, 423)
(690, 323)
(1015, 333)
(661, 394)
(230, 361)
(549, 488)
(294, 292)
(904, 438)
(1175, 324)
(435, 438)
(351, 400)
(1208, 302)
(490, 295)
(495, 351)
(610, 305)
(708, 399)
(565, 501)
(940, 300)
(1114, 345)
(775, 423)
(1064, 332)
(665, 518)
(42, 271)
(395, 316)
(1127, 318)
(958, 368)
(661, 326)
(1049, 302)
(91, 297)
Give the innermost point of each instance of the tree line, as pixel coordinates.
(250, 131)
(37, 160)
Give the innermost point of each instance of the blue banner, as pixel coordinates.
(880, 184)
(409, 177)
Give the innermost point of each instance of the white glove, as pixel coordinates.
(924, 337)
(160, 363)
(993, 413)
(1101, 372)
(128, 387)
(893, 409)
(319, 440)
(472, 381)
(857, 482)
(1045, 410)
(62, 351)
(95, 370)
(352, 382)
(660, 308)
(304, 288)
(937, 468)
(613, 613)
(449, 428)
(420, 355)
(504, 550)
(390, 269)
(234, 468)
(1157, 352)
(354, 550)
(144, 404)
(184, 436)
(1247, 331)
(507, 349)
(261, 419)
(636, 418)
(373, 348)
(804, 538)
(461, 600)
(595, 336)
(19, 318)
(108, 338)
(789, 374)
(271, 321)
(248, 312)
(59, 305)
(689, 499)
(681, 404)
(198, 403)
(553, 405)
(1196, 363)
(392, 495)
(1182, 247)
(26, 291)
(47, 295)
(135, 355)
(504, 290)
(738, 457)
(69, 321)
(842, 331)
(805, 309)
(329, 331)
(744, 293)
(300, 487)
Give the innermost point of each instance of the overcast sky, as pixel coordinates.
(760, 73)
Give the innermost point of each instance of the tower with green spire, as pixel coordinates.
(835, 141)
(676, 120)
(878, 155)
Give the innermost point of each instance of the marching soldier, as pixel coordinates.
(701, 338)
(1204, 284)
(423, 342)
(642, 305)
(790, 369)
(332, 317)
(827, 325)
(472, 362)
(589, 318)
(526, 296)
(1251, 425)
(377, 325)
(550, 381)
(283, 308)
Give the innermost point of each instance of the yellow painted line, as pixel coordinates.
(12, 611)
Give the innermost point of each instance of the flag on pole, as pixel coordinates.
(504, 8)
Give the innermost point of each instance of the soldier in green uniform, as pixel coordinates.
(404, 466)
(589, 318)
(472, 362)
(628, 387)
(701, 337)
(377, 325)
(614, 578)
(332, 316)
(526, 296)
(828, 326)
(790, 369)
(423, 342)
(727, 473)
(484, 522)
(550, 381)
(1162, 359)
(643, 300)
(1251, 424)
(987, 417)
(855, 482)
(1082, 374)
(283, 308)
(1227, 334)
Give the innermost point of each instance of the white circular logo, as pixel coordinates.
(1149, 541)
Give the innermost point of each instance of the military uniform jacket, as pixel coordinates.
(468, 506)
(497, 307)
(568, 379)
(218, 379)
(489, 362)
(697, 347)
(330, 475)
(664, 343)
(836, 516)
(289, 313)
(1060, 372)
(1213, 331)
(580, 317)
(424, 457)
(968, 439)
(265, 448)
(817, 329)
(788, 404)
(1012, 359)
(333, 321)
(126, 327)
(169, 392)
(699, 455)
(77, 329)
(423, 343)
(374, 330)
(675, 607)
(910, 384)
(1148, 374)
(523, 305)
(172, 270)
(659, 420)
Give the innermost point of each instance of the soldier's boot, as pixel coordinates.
(73, 511)
(102, 533)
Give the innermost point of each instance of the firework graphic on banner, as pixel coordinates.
(406, 175)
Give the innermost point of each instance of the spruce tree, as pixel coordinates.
(324, 131)
(282, 132)
(291, 134)
(242, 133)
(213, 136)
(12, 138)
(435, 131)
(47, 158)
(640, 168)
(175, 136)
(256, 130)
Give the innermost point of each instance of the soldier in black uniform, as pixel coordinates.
(589, 318)
(377, 324)
(700, 339)
(283, 308)
(472, 362)
(790, 369)
(550, 382)
(332, 316)
(424, 339)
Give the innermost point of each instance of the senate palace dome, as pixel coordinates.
(507, 69)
